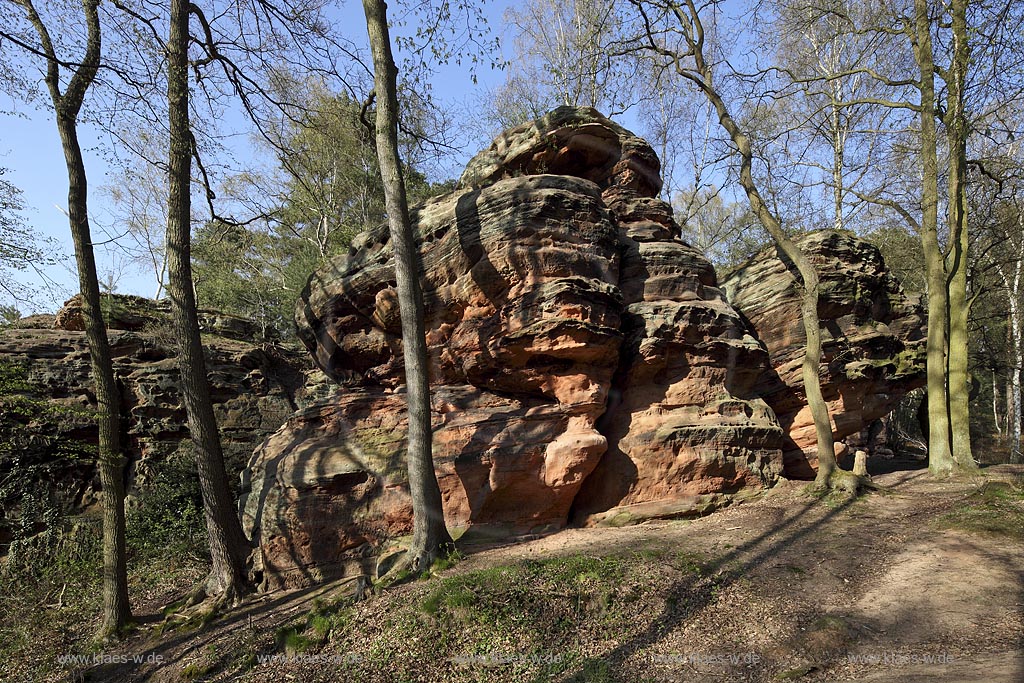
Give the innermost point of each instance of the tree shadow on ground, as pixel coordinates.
(696, 593)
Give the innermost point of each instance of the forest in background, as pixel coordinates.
(899, 122)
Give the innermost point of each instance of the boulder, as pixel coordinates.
(873, 338)
(555, 293)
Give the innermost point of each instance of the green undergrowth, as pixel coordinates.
(530, 620)
(995, 507)
(51, 575)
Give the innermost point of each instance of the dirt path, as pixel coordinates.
(874, 589)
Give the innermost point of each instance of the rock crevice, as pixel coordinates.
(586, 365)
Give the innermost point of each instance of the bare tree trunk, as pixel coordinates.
(1013, 418)
(838, 160)
(229, 549)
(996, 417)
(940, 460)
(829, 473)
(110, 461)
(430, 536)
(1015, 287)
(957, 129)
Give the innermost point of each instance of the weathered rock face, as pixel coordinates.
(524, 332)
(551, 301)
(255, 387)
(585, 364)
(685, 426)
(872, 339)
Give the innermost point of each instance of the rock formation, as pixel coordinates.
(586, 365)
(255, 386)
(873, 339)
(555, 294)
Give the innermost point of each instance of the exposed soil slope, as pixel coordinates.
(923, 581)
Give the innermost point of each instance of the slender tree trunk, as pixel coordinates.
(1013, 418)
(996, 417)
(229, 548)
(430, 536)
(828, 469)
(838, 162)
(1015, 287)
(957, 128)
(940, 460)
(110, 461)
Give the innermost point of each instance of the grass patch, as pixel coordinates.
(551, 618)
(995, 507)
(291, 640)
(196, 670)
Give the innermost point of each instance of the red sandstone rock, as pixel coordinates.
(584, 363)
(872, 339)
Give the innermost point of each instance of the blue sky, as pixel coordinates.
(30, 151)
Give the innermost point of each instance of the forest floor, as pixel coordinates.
(920, 581)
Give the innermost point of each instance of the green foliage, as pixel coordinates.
(34, 452)
(54, 548)
(327, 189)
(167, 516)
(8, 315)
(20, 248)
(903, 255)
(50, 590)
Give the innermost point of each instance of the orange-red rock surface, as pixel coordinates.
(873, 339)
(585, 364)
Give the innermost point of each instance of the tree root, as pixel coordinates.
(413, 566)
(200, 605)
(847, 482)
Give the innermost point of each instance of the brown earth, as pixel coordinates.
(893, 586)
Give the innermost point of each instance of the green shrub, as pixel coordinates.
(167, 515)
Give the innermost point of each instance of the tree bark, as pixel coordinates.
(229, 549)
(997, 419)
(430, 536)
(110, 461)
(957, 131)
(940, 460)
(1014, 285)
(829, 473)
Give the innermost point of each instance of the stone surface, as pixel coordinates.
(570, 141)
(873, 338)
(255, 386)
(524, 325)
(555, 294)
(684, 422)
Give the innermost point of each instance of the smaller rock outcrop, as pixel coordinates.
(873, 338)
(255, 385)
